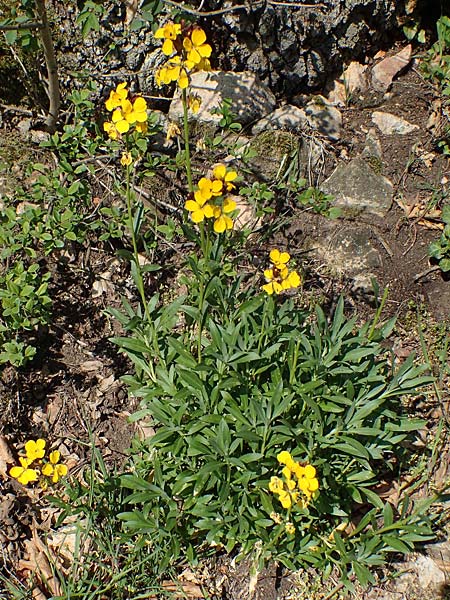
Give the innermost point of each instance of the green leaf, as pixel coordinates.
(388, 515)
(444, 265)
(397, 544)
(129, 343)
(190, 378)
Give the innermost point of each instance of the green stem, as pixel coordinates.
(187, 152)
(139, 278)
(201, 297)
(378, 313)
(263, 325)
(294, 363)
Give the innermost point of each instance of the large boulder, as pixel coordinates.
(294, 49)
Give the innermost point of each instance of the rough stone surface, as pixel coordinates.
(324, 117)
(251, 100)
(384, 72)
(297, 48)
(372, 147)
(349, 252)
(286, 117)
(357, 187)
(355, 78)
(271, 150)
(390, 124)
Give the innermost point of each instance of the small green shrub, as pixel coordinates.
(25, 304)
(269, 379)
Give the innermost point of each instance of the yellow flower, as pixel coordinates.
(206, 189)
(139, 112)
(53, 469)
(220, 173)
(194, 103)
(116, 97)
(285, 458)
(23, 474)
(199, 210)
(310, 472)
(275, 484)
(286, 499)
(273, 286)
(289, 528)
(126, 159)
(111, 130)
(278, 277)
(35, 449)
(279, 259)
(172, 71)
(222, 221)
(293, 280)
(141, 127)
(169, 33)
(196, 48)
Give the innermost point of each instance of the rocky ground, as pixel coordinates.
(369, 140)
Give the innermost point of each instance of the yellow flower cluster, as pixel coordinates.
(278, 277)
(187, 52)
(126, 112)
(298, 484)
(32, 467)
(210, 200)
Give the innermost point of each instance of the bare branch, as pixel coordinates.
(19, 26)
(52, 67)
(249, 6)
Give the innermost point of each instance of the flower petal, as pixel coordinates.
(54, 457)
(219, 171)
(198, 36)
(167, 47)
(191, 205)
(183, 80)
(228, 205)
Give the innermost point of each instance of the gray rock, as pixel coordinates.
(302, 45)
(390, 124)
(356, 187)
(372, 147)
(324, 117)
(24, 126)
(146, 74)
(273, 151)
(429, 574)
(349, 252)
(438, 295)
(384, 72)
(286, 117)
(251, 100)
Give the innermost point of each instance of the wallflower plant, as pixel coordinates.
(34, 467)
(231, 377)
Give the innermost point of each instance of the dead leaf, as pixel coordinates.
(6, 457)
(181, 590)
(425, 217)
(102, 285)
(91, 365)
(38, 564)
(69, 543)
(131, 10)
(106, 384)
